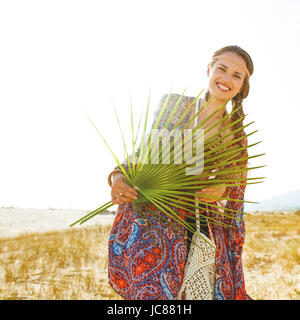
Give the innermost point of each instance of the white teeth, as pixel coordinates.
(222, 87)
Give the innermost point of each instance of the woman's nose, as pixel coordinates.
(226, 80)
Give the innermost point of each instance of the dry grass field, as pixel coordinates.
(72, 264)
(271, 257)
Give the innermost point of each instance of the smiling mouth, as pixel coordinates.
(222, 87)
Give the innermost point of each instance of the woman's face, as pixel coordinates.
(226, 76)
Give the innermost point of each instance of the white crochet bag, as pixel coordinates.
(199, 272)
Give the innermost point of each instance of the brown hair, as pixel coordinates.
(237, 101)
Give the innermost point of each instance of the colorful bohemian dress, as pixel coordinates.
(146, 257)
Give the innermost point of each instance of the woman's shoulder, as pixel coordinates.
(168, 102)
(174, 97)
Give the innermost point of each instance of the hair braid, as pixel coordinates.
(237, 103)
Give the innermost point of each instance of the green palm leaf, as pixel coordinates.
(165, 185)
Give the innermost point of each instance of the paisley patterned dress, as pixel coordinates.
(147, 257)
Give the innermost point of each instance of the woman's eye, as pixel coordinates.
(237, 76)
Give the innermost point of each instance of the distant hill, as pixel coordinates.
(286, 201)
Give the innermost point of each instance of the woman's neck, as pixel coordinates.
(212, 105)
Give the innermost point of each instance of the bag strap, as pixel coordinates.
(195, 125)
(196, 111)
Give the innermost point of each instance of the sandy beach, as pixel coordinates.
(14, 221)
(71, 263)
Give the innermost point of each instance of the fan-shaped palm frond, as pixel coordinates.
(176, 171)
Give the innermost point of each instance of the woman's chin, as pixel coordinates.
(222, 96)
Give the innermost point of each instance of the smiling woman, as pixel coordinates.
(149, 260)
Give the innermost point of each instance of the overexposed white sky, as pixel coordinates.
(60, 57)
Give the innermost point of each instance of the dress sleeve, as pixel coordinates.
(156, 114)
(164, 119)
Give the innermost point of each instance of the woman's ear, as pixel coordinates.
(208, 70)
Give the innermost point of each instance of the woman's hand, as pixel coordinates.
(120, 191)
(211, 191)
